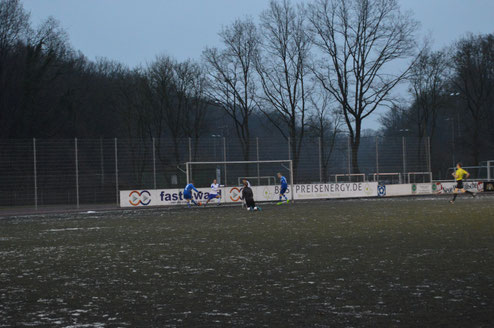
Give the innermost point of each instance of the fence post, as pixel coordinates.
(429, 153)
(488, 170)
(187, 172)
(258, 170)
(154, 163)
(377, 155)
(35, 175)
(76, 172)
(224, 158)
(102, 163)
(320, 160)
(289, 149)
(190, 149)
(292, 183)
(349, 154)
(116, 173)
(189, 168)
(403, 155)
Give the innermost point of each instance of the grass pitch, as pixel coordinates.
(388, 263)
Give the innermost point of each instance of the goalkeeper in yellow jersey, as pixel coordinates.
(459, 175)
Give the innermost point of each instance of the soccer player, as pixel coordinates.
(248, 196)
(459, 175)
(188, 193)
(214, 193)
(245, 182)
(283, 188)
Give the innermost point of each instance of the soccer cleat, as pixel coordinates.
(451, 201)
(279, 203)
(287, 201)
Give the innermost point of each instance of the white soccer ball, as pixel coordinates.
(248, 208)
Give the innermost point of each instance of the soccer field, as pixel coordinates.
(377, 263)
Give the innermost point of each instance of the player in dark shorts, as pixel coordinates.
(459, 175)
(248, 196)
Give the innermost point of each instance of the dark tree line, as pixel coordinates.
(318, 69)
(452, 103)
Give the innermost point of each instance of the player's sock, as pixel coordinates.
(285, 197)
(454, 197)
(469, 192)
(193, 201)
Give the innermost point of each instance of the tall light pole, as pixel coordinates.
(455, 96)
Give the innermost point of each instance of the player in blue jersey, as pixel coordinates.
(283, 188)
(188, 194)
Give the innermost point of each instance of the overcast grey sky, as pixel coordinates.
(135, 31)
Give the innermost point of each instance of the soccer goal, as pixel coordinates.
(387, 178)
(230, 174)
(419, 177)
(354, 177)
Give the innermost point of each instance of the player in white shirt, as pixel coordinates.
(215, 192)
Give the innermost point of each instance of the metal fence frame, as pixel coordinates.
(93, 159)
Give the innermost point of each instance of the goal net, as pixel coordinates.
(262, 176)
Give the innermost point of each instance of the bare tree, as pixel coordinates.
(190, 85)
(324, 123)
(14, 24)
(473, 65)
(428, 80)
(283, 70)
(359, 39)
(232, 80)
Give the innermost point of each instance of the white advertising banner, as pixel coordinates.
(335, 190)
(394, 190)
(163, 197)
(261, 194)
(449, 187)
(136, 198)
(421, 188)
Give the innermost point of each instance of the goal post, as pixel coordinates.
(230, 173)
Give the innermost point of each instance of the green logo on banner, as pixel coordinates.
(414, 188)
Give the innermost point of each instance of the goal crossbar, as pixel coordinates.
(268, 177)
(377, 175)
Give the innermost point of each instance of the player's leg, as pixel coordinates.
(468, 192)
(250, 203)
(283, 193)
(210, 196)
(188, 198)
(454, 196)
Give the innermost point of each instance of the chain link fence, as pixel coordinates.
(42, 172)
